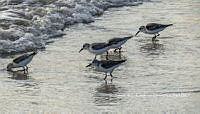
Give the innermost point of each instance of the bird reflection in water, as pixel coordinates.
(26, 86)
(19, 75)
(107, 94)
(153, 48)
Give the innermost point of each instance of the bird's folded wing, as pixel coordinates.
(20, 58)
(115, 40)
(108, 64)
(97, 46)
(153, 26)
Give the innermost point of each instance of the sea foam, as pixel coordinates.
(26, 25)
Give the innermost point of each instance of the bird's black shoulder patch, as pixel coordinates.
(23, 57)
(115, 40)
(20, 58)
(97, 46)
(153, 26)
(109, 64)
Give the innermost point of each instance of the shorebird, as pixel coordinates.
(116, 43)
(21, 61)
(106, 66)
(153, 28)
(96, 48)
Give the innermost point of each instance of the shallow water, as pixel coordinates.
(156, 78)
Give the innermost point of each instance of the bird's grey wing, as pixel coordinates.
(20, 58)
(115, 40)
(97, 46)
(154, 26)
(108, 64)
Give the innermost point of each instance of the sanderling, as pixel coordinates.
(21, 61)
(117, 42)
(96, 48)
(106, 66)
(153, 28)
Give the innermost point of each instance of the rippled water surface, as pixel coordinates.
(156, 78)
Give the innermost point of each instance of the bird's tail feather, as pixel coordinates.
(129, 37)
(169, 25)
(121, 61)
(34, 53)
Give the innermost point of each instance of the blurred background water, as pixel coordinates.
(156, 78)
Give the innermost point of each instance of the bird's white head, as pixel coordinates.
(85, 46)
(10, 66)
(94, 63)
(141, 29)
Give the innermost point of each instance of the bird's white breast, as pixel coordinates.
(99, 51)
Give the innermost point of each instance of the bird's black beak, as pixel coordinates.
(89, 65)
(81, 50)
(137, 33)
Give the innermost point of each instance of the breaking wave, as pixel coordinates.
(26, 25)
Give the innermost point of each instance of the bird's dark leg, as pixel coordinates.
(111, 74)
(153, 39)
(115, 50)
(24, 69)
(107, 55)
(95, 57)
(27, 69)
(105, 76)
(120, 49)
(156, 36)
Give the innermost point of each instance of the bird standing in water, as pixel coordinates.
(21, 61)
(153, 28)
(116, 43)
(106, 66)
(96, 48)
